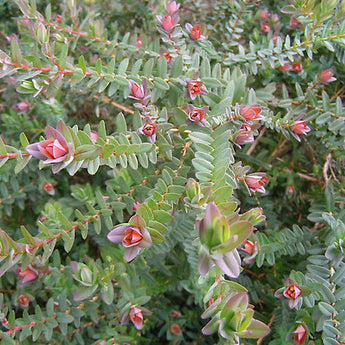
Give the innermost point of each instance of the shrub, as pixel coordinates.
(169, 166)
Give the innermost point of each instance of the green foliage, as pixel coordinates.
(211, 154)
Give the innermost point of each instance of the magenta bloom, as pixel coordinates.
(133, 237)
(196, 114)
(171, 7)
(327, 76)
(194, 88)
(149, 130)
(245, 135)
(54, 149)
(251, 112)
(255, 182)
(138, 92)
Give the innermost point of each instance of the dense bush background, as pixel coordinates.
(239, 61)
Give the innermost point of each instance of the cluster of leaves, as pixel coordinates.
(169, 161)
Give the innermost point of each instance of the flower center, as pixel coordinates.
(133, 237)
(196, 115)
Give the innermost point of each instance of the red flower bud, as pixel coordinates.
(195, 32)
(23, 300)
(327, 76)
(21, 106)
(175, 328)
(297, 67)
(48, 188)
(138, 43)
(256, 181)
(251, 112)
(300, 335)
(265, 27)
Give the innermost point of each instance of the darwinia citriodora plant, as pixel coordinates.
(172, 173)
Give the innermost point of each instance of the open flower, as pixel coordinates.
(138, 92)
(133, 237)
(251, 112)
(171, 7)
(136, 317)
(196, 114)
(54, 149)
(194, 88)
(255, 182)
(194, 31)
(28, 276)
(300, 127)
(327, 76)
(300, 335)
(291, 291)
(168, 22)
(149, 130)
(245, 135)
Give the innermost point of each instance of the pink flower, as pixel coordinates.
(194, 88)
(196, 114)
(54, 149)
(245, 135)
(327, 76)
(167, 22)
(135, 314)
(297, 67)
(265, 27)
(21, 106)
(255, 182)
(27, 277)
(292, 291)
(136, 317)
(133, 237)
(251, 112)
(264, 14)
(94, 136)
(135, 206)
(300, 335)
(138, 92)
(171, 7)
(194, 31)
(149, 130)
(290, 189)
(300, 127)
(48, 188)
